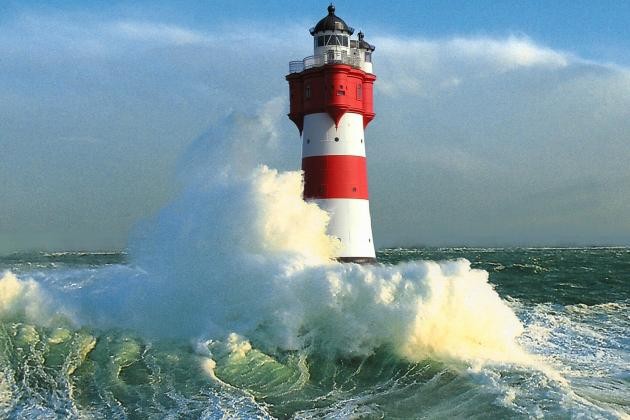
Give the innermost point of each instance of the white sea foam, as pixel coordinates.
(21, 298)
(250, 256)
(239, 251)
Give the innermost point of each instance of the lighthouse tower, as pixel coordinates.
(331, 104)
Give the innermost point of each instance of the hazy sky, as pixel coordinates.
(498, 123)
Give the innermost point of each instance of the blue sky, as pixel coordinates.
(595, 30)
(498, 123)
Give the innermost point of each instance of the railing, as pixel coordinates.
(331, 57)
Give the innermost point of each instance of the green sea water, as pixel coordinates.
(573, 305)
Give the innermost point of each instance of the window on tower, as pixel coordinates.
(307, 91)
(323, 40)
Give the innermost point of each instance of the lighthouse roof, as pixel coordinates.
(363, 44)
(332, 22)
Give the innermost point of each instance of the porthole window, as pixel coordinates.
(336, 138)
(361, 140)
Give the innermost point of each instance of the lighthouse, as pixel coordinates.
(331, 103)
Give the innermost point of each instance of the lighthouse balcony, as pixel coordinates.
(331, 57)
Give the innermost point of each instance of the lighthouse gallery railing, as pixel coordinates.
(332, 57)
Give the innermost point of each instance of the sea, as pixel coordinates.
(435, 333)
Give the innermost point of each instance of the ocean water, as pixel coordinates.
(535, 332)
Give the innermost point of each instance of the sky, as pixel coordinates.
(498, 123)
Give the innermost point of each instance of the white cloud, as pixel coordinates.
(478, 127)
(423, 66)
(507, 54)
(156, 32)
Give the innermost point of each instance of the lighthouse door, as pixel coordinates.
(330, 56)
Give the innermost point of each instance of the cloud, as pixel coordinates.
(423, 65)
(470, 133)
(156, 32)
(508, 54)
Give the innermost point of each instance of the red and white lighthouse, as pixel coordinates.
(331, 104)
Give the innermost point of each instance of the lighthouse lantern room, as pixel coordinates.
(331, 104)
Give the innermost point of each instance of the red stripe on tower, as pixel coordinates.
(331, 102)
(332, 176)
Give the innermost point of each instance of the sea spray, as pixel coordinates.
(285, 293)
(22, 298)
(239, 251)
(249, 256)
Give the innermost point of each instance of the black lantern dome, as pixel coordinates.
(332, 22)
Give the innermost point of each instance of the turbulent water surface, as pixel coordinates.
(487, 333)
